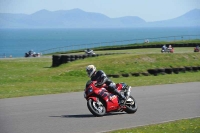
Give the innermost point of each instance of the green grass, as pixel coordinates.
(35, 76)
(179, 126)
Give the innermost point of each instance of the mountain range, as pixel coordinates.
(77, 18)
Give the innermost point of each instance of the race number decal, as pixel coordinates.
(113, 97)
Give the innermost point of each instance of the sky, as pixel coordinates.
(149, 10)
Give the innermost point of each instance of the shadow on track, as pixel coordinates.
(75, 116)
(87, 115)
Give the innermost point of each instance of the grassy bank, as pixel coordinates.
(179, 126)
(35, 76)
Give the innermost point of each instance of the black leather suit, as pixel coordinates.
(101, 78)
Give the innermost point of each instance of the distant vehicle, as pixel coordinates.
(170, 49)
(32, 54)
(89, 52)
(196, 49)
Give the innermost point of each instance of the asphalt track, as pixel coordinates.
(68, 113)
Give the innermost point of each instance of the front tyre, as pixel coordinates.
(96, 108)
(131, 105)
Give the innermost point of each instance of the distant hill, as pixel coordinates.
(191, 18)
(77, 18)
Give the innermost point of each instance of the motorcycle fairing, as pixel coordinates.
(110, 99)
(119, 86)
(112, 103)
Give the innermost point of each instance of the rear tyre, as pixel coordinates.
(96, 108)
(131, 105)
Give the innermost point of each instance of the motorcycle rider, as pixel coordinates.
(101, 79)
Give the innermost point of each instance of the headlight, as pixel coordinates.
(88, 91)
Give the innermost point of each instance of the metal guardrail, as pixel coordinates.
(122, 42)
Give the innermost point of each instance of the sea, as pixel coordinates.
(16, 42)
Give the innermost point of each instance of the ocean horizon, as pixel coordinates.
(16, 42)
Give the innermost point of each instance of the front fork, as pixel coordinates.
(128, 91)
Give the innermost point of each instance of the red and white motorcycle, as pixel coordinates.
(100, 101)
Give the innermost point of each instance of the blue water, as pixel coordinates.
(16, 42)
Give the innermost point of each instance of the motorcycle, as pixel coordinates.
(32, 54)
(89, 52)
(100, 101)
(196, 49)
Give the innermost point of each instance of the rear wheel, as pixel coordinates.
(96, 108)
(131, 105)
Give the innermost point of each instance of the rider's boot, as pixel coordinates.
(121, 97)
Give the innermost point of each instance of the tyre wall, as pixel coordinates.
(61, 59)
(159, 71)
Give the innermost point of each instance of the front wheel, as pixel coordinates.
(131, 105)
(96, 108)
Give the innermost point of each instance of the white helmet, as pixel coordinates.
(90, 69)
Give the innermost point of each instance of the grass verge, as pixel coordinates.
(179, 126)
